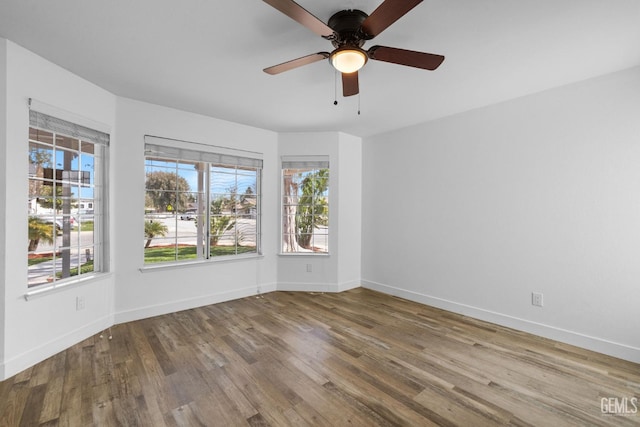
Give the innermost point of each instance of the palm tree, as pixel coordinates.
(39, 230)
(219, 225)
(153, 229)
(312, 206)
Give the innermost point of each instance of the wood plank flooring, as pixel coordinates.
(358, 358)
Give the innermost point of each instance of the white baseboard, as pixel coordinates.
(25, 360)
(599, 345)
(348, 285)
(317, 287)
(189, 303)
(36, 355)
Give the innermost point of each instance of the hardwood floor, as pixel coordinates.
(358, 358)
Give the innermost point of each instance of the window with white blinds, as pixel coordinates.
(66, 201)
(201, 202)
(305, 205)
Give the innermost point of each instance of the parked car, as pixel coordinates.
(57, 220)
(188, 216)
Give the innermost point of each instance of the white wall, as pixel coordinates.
(349, 219)
(42, 326)
(474, 212)
(34, 329)
(142, 294)
(340, 270)
(3, 189)
(537, 194)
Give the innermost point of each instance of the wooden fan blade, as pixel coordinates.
(296, 12)
(295, 63)
(411, 58)
(350, 84)
(386, 14)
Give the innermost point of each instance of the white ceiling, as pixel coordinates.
(207, 56)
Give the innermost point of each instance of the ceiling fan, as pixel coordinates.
(348, 30)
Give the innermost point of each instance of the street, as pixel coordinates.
(180, 232)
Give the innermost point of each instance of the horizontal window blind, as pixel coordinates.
(201, 153)
(43, 121)
(305, 162)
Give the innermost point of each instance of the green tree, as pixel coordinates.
(216, 206)
(313, 206)
(39, 230)
(46, 200)
(219, 225)
(153, 229)
(166, 189)
(40, 156)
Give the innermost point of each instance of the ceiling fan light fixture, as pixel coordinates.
(348, 59)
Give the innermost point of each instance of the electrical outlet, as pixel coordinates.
(536, 299)
(309, 268)
(79, 303)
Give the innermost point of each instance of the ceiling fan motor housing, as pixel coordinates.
(347, 25)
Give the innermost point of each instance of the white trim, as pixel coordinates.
(25, 360)
(42, 290)
(189, 303)
(307, 287)
(36, 355)
(148, 268)
(346, 286)
(596, 344)
(200, 301)
(317, 286)
(309, 254)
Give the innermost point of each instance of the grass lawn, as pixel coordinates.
(87, 267)
(34, 261)
(168, 253)
(85, 226)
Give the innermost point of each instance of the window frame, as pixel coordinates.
(93, 181)
(308, 164)
(205, 159)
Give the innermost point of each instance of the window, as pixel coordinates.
(199, 204)
(305, 205)
(66, 166)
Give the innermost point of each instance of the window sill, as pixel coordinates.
(49, 289)
(303, 254)
(199, 263)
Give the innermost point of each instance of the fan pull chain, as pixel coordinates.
(335, 87)
(358, 103)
